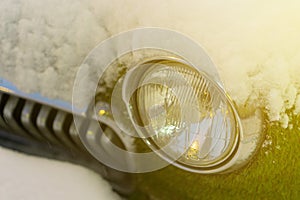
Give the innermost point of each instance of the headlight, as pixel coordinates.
(178, 109)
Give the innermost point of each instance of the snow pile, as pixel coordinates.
(254, 43)
(26, 177)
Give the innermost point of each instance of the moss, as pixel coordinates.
(274, 173)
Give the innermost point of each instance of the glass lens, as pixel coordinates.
(184, 113)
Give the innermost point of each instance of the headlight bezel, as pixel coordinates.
(225, 161)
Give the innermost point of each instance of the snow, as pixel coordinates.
(254, 43)
(32, 178)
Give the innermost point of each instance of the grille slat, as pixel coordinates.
(74, 134)
(61, 125)
(28, 119)
(11, 115)
(3, 100)
(44, 122)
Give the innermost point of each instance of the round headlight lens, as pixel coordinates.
(182, 111)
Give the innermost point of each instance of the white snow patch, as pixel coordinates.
(24, 177)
